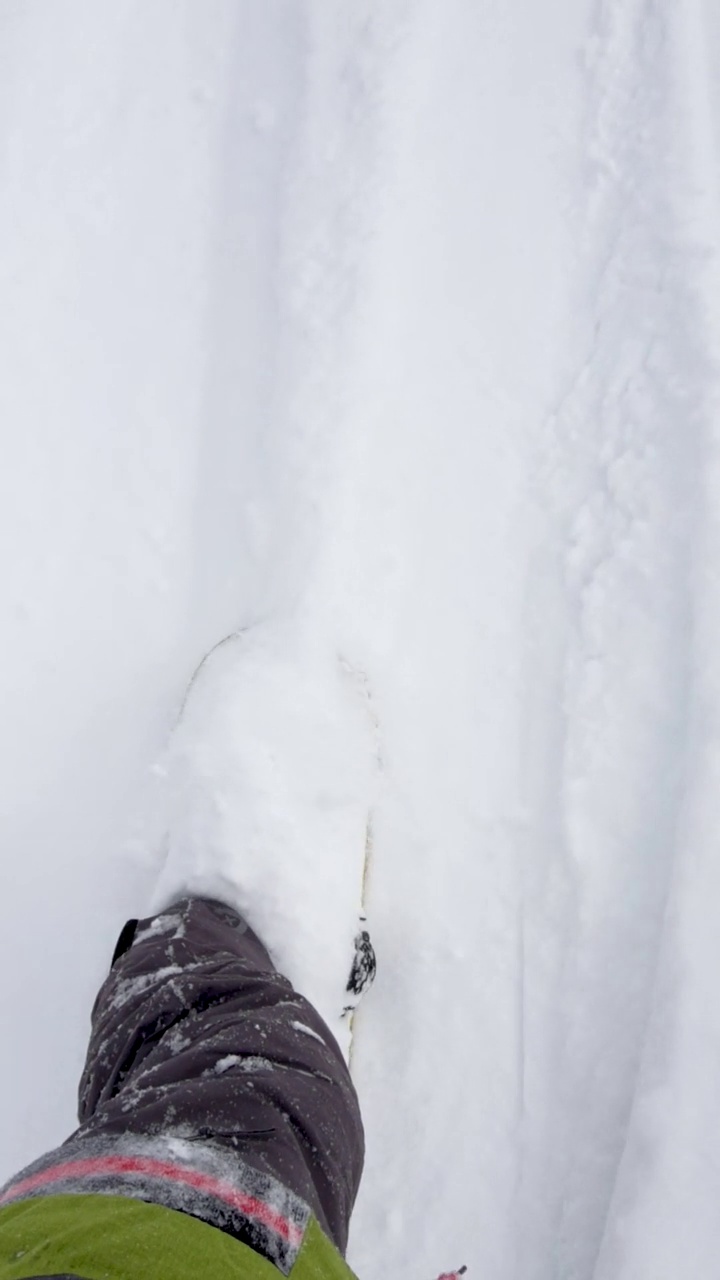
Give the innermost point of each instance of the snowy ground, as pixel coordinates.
(400, 318)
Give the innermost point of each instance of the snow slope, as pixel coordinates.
(398, 320)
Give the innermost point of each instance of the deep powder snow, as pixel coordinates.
(392, 326)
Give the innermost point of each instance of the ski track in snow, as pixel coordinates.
(620, 473)
(425, 361)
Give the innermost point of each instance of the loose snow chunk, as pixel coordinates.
(224, 1064)
(243, 1064)
(132, 987)
(308, 1031)
(160, 925)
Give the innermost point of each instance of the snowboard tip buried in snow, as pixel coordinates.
(271, 772)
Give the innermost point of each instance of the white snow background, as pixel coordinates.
(400, 319)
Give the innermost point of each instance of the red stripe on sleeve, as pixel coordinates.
(148, 1167)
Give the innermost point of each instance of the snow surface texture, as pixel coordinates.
(398, 320)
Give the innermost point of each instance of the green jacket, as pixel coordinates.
(103, 1237)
